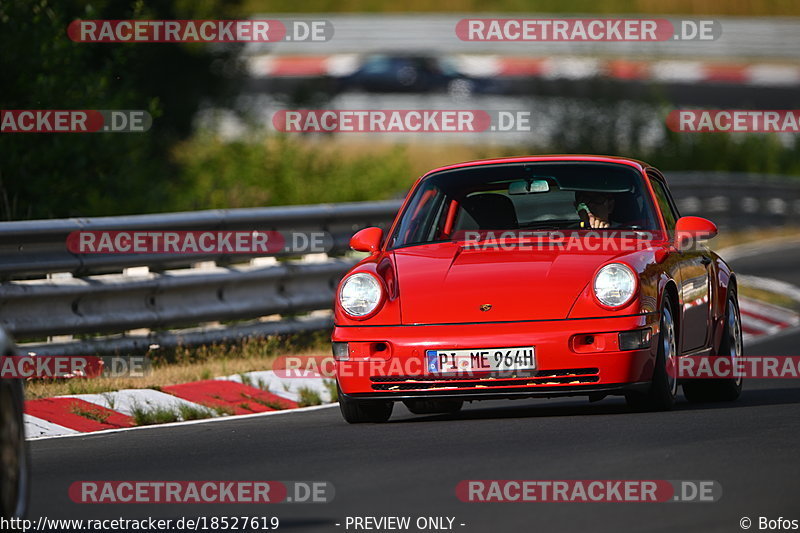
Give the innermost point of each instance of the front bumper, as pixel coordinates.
(388, 362)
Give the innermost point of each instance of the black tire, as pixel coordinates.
(430, 407)
(364, 411)
(14, 461)
(731, 345)
(664, 385)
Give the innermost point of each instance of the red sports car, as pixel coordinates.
(533, 277)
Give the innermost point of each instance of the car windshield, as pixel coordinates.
(524, 196)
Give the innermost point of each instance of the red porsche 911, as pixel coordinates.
(533, 277)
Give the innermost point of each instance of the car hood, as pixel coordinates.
(446, 283)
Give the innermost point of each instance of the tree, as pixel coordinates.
(67, 174)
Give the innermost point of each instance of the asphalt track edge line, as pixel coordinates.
(186, 423)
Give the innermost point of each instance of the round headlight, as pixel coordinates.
(360, 294)
(614, 285)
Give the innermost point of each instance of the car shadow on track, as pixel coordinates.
(609, 406)
(753, 398)
(477, 411)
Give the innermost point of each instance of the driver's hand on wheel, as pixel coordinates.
(595, 222)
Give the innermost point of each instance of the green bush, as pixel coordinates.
(756, 153)
(280, 170)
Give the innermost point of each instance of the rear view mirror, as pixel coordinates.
(688, 229)
(528, 187)
(367, 240)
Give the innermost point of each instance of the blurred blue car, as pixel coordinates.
(397, 72)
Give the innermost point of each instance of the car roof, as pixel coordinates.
(640, 165)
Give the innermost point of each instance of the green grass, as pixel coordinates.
(333, 390)
(768, 296)
(192, 412)
(272, 404)
(246, 380)
(148, 416)
(223, 175)
(259, 383)
(110, 399)
(92, 413)
(221, 410)
(241, 350)
(308, 397)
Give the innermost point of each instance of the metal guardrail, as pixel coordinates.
(115, 302)
(36, 247)
(737, 200)
(50, 291)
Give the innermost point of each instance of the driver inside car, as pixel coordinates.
(594, 208)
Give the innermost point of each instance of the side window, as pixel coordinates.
(420, 220)
(665, 204)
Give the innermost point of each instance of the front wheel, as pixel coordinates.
(731, 346)
(664, 386)
(364, 411)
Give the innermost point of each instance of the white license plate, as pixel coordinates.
(481, 360)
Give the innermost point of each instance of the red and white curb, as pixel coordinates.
(760, 318)
(564, 67)
(262, 392)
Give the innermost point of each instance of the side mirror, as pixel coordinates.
(689, 229)
(367, 240)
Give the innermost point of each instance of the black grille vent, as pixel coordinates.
(572, 376)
